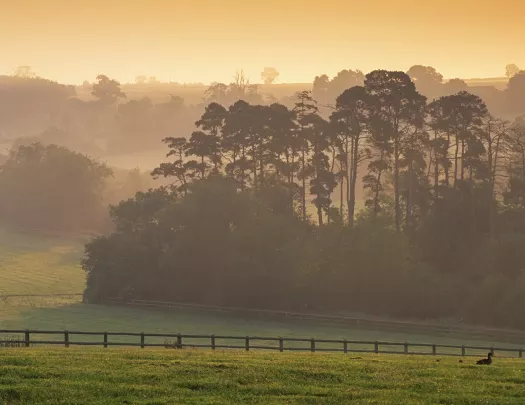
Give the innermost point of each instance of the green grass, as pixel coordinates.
(135, 376)
(31, 264)
(39, 265)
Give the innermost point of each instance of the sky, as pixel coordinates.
(208, 40)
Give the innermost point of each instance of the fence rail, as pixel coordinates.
(247, 343)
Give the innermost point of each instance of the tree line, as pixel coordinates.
(106, 118)
(49, 187)
(262, 210)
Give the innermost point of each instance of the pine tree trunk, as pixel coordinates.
(456, 161)
(410, 197)
(341, 186)
(436, 165)
(303, 191)
(445, 162)
(396, 186)
(353, 182)
(347, 168)
(462, 160)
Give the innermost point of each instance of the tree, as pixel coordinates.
(428, 81)
(350, 120)
(399, 110)
(322, 180)
(514, 194)
(25, 72)
(326, 91)
(284, 146)
(107, 90)
(215, 245)
(234, 142)
(269, 75)
(454, 86)
(494, 138)
(241, 89)
(306, 113)
(179, 169)
(321, 89)
(516, 93)
(457, 122)
(135, 119)
(218, 93)
(511, 70)
(141, 79)
(51, 187)
(206, 148)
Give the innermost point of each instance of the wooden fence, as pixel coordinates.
(281, 344)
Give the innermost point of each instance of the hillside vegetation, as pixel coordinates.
(36, 264)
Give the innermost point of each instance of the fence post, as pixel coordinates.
(345, 346)
(312, 345)
(213, 342)
(27, 340)
(179, 341)
(521, 353)
(376, 347)
(434, 349)
(66, 338)
(247, 343)
(281, 344)
(105, 340)
(142, 340)
(462, 350)
(406, 348)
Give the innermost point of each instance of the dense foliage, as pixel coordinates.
(50, 187)
(440, 234)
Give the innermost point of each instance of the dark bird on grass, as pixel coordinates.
(438, 360)
(461, 360)
(487, 361)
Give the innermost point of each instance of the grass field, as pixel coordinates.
(40, 265)
(134, 376)
(32, 264)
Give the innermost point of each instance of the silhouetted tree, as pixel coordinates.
(322, 180)
(306, 113)
(397, 110)
(350, 121)
(51, 187)
(326, 91)
(24, 72)
(269, 75)
(454, 86)
(511, 70)
(107, 90)
(428, 81)
(516, 93)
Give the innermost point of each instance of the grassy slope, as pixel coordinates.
(134, 376)
(39, 265)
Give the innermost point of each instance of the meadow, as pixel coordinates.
(134, 376)
(31, 263)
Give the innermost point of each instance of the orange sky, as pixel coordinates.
(205, 40)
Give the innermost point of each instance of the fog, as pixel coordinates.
(345, 162)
